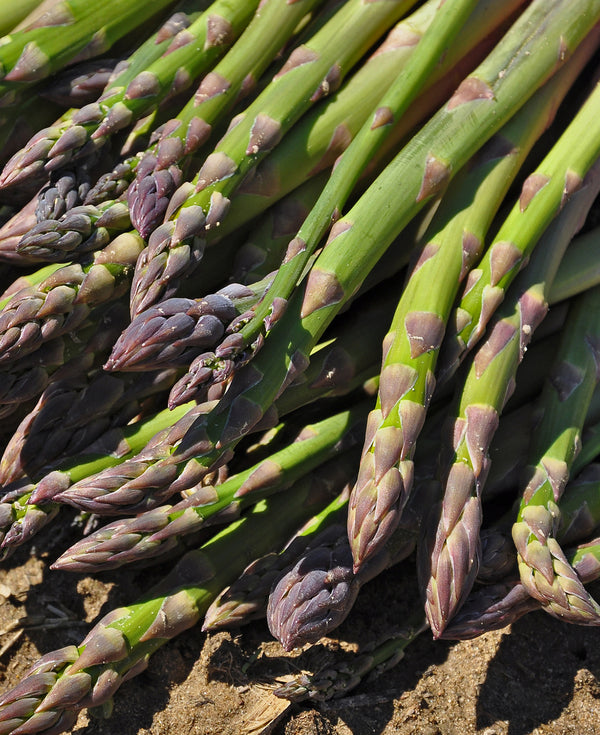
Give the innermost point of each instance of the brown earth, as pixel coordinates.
(541, 676)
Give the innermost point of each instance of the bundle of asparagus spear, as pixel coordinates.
(293, 291)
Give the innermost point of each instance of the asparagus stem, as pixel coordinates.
(543, 194)
(355, 246)
(247, 597)
(12, 14)
(450, 246)
(69, 31)
(74, 411)
(372, 662)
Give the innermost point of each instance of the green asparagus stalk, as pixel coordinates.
(318, 139)
(26, 507)
(580, 267)
(321, 135)
(542, 195)
(544, 570)
(447, 23)
(67, 32)
(120, 644)
(312, 71)
(450, 247)
(269, 30)
(453, 557)
(12, 14)
(156, 531)
(89, 128)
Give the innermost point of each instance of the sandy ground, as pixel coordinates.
(541, 676)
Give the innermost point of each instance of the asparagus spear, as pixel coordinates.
(80, 230)
(321, 135)
(64, 191)
(124, 73)
(73, 411)
(26, 506)
(317, 140)
(246, 598)
(87, 346)
(174, 332)
(11, 14)
(544, 570)
(496, 606)
(120, 644)
(62, 301)
(453, 557)
(315, 594)
(451, 245)
(88, 129)
(81, 84)
(312, 71)
(270, 29)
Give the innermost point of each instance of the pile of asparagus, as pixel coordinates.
(293, 291)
